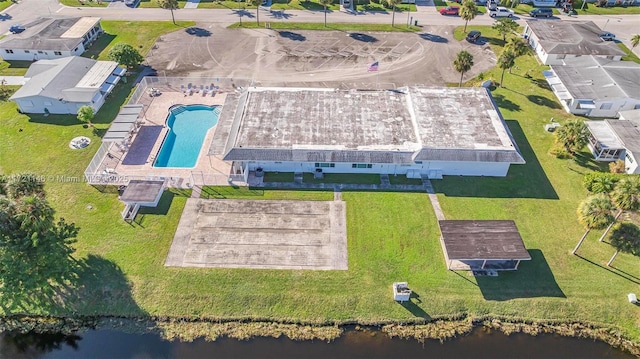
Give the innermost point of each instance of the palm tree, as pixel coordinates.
(34, 215)
(325, 3)
(257, 4)
(393, 4)
(572, 135)
(463, 63)
(595, 212)
(626, 196)
(505, 26)
(169, 4)
(518, 46)
(505, 61)
(635, 40)
(625, 237)
(24, 184)
(468, 12)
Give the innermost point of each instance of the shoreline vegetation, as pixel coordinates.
(189, 329)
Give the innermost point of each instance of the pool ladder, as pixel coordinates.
(178, 110)
(217, 110)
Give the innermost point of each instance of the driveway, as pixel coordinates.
(316, 58)
(13, 80)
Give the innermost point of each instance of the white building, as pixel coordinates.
(556, 41)
(64, 85)
(596, 87)
(413, 131)
(48, 38)
(611, 140)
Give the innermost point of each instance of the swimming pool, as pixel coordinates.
(188, 126)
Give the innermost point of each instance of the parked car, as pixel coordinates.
(501, 11)
(131, 3)
(541, 12)
(607, 36)
(473, 36)
(450, 10)
(16, 29)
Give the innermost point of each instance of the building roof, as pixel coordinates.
(480, 240)
(589, 77)
(73, 79)
(364, 126)
(142, 191)
(572, 38)
(628, 133)
(50, 34)
(631, 115)
(604, 134)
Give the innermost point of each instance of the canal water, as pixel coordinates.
(352, 344)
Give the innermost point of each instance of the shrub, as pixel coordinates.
(617, 167)
(599, 182)
(558, 150)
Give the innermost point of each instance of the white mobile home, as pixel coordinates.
(556, 41)
(48, 38)
(64, 85)
(612, 140)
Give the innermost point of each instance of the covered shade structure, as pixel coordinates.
(482, 245)
(140, 193)
(123, 123)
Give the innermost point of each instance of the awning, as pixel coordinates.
(106, 88)
(119, 71)
(113, 79)
(123, 123)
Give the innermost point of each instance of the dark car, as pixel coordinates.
(16, 29)
(473, 36)
(450, 10)
(539, 12)
(607, 36)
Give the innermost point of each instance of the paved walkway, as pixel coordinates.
(13, 80)
(192, 4)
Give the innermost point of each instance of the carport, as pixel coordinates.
(482, 245)
(122, 125)
(140, 193)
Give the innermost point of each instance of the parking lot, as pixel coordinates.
(317, 58)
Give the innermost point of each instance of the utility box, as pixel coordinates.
(401, 292)
(632, 298)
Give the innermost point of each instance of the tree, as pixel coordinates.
(626, 194)
(625, 237)
(505, 26)
(169, 4)
(468, 12)
(595, 212)
(125, 54)
(35, 250)
(572, 135)
(24, 184)
(325, 3)
(257, 4)
(635, 40)
(518, 46)
(393, 4)
(505, 61)
(86, 114)
(463, 63)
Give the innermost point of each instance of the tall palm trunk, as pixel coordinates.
(325, 16)
(606, 231)
(465, 26)
(502, 78)
(580, 242)
(393, 16)
(460, 83)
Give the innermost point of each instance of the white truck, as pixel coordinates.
(500, 11)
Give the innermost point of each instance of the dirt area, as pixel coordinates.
(317, 58)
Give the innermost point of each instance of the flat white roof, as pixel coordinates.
(81, 27)
(97, 75)
(603, 134)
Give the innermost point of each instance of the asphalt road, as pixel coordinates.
(624, 26)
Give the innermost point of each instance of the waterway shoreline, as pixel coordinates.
(190, 329)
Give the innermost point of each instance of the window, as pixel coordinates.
(629, 158)
(76, 49)
(8, 51)
(26, 103)
(606, 106)
(57, 53)
(39, 51)
(26, 51)
(320, 164)
(361, 165)
(48, 103)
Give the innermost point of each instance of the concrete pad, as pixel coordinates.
(261, 234)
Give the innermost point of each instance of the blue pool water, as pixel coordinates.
(187, 127)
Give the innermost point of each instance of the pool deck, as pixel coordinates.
(209, 170)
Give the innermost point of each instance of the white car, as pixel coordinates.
(501, 12)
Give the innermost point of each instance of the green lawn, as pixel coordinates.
(140, 34)
(83, 3)
(14, 68)
(363, 5)
(391, 236)
(399, 27)
(592, 9)
(631, 56)
(5, 4)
